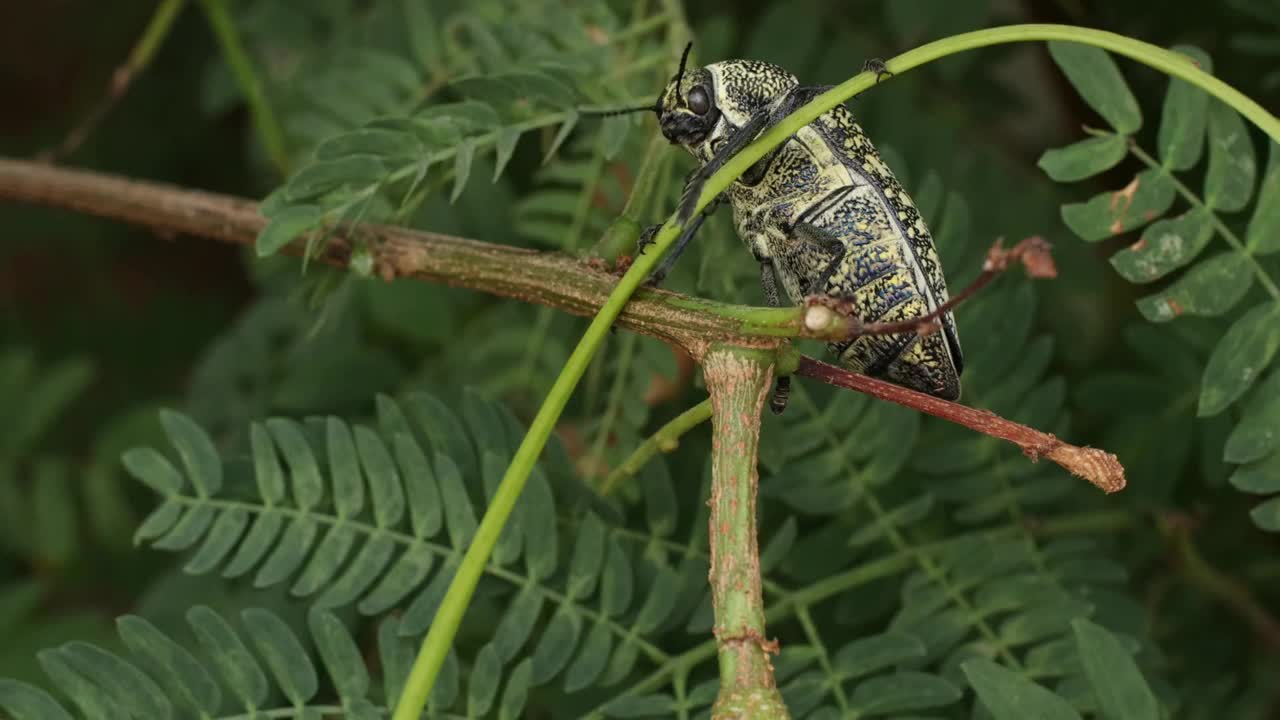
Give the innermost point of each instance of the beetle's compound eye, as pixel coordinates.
(698, 100)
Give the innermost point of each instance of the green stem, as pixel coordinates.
(664, 440)
(738, 381)
(154, 34)
(435, 646)
(824, 657)
(246, 75)
(577, 228)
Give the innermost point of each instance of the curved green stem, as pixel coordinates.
(1166, 61)
(435, 646)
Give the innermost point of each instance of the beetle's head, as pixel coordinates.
(701, 107)
(686, 109)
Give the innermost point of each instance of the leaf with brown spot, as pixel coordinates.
(1165, 246)
(1147, 196)
(1210, 288)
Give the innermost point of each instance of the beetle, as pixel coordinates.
(821, 213)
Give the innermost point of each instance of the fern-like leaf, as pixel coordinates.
(262, 665)
(382, 141)
(379, 518)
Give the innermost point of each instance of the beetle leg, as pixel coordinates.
(877, 66)
(691, 227)
(646, 238)
(758, 123)
(827, 242)
(781, 386)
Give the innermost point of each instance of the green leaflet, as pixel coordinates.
(1009, 696)
(25, 702)
(1184, 116)
(232, 658)
(1085, 158)
(1096, 77)
(1228, 183)
(1258, 432)
(370, 142)
(1263, 235)
(286, 226)
(1240, 357)
(1148, 196)
(161, 679)
(1117, 682)
(1211, 287)
(1165, 245)
(1267, 515)
(324, 176)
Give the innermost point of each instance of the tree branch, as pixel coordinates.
(738, 381)
(1097, 466)
(550, 279)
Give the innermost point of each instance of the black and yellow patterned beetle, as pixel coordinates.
(822, 213)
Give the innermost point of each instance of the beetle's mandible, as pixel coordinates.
(821, 213)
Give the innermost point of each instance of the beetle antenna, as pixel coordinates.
(651, 107)
(684, 57)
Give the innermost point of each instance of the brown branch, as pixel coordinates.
(834, 319)
(1097, 466)
(738, 382)
(550, 279)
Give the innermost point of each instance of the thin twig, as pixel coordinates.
(666, 439)
(140, 57)
(1097, 466)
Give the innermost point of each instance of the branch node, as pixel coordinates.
(749, 636)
